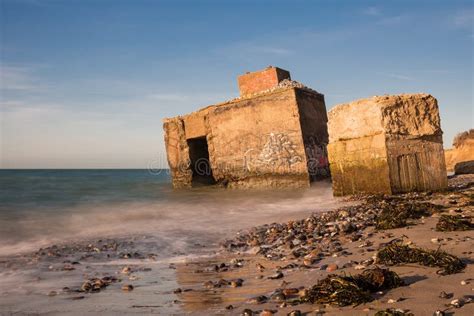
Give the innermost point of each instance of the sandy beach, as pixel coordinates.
(244, 276)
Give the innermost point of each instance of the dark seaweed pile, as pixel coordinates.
(448, 223)
(344, 290)
(398, 253)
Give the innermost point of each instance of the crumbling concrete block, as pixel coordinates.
(274, 137)
(386, 144)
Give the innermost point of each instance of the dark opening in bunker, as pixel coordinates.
(200, 165)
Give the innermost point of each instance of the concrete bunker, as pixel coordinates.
(386, 144)
(273, 135)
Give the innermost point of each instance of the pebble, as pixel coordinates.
(247, 312)
(52, 293)
(359, 267)
(236, 283)
(290, 291)
(127, 287)
(464, 282)
(267, 312)
(391, 301)
(332, 267)
(126, 270)
(445, 295)
(229, 307)
(295, 313)
(439, 313)
(435, 240)
(276, 276)
(456, 303)
(177, 291)
(258, 299)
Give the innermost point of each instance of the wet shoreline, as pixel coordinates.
(253, 271)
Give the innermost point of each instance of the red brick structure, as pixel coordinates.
(253, 82)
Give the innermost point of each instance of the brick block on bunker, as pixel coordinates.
(254, 82)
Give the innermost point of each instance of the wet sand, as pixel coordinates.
(51, 280)
(420, 295)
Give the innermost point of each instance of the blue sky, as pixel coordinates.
(86, 83)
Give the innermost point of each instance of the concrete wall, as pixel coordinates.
(388, 144)
(257, 142)
(177, 152)
(313, 121)
(416, 164)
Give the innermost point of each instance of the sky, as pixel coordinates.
(86, 84)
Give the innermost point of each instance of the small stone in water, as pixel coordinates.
(391, 301)
(127, 287)
(266, 312)
(52, 293)
(229, 307)
(463, 282)
(439, 313)
(294, 313)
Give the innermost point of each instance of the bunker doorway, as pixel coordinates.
(200, 165)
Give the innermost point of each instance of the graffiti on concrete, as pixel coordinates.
(316, 155)
(279, 150)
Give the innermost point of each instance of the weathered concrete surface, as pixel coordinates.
(272, 138)
(463, 149)
(465, 167)
(386, 144)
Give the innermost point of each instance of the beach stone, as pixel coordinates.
(278, 297)
(52, 293)
(445, 295)
(247, 312)
(236, 283)
(291, 291)
(332, 267)
(229, 307)
(276, 276)
(439, 313)
(267, 312)
(294, 313)
(126, 270)
(127, 287)
(257, 299)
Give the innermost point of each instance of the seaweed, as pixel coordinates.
(397, 253)
(449, 223)
(393, 312)
(396, 215)
(345, 290)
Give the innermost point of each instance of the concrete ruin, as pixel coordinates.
(273, 135)
(386, 144)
